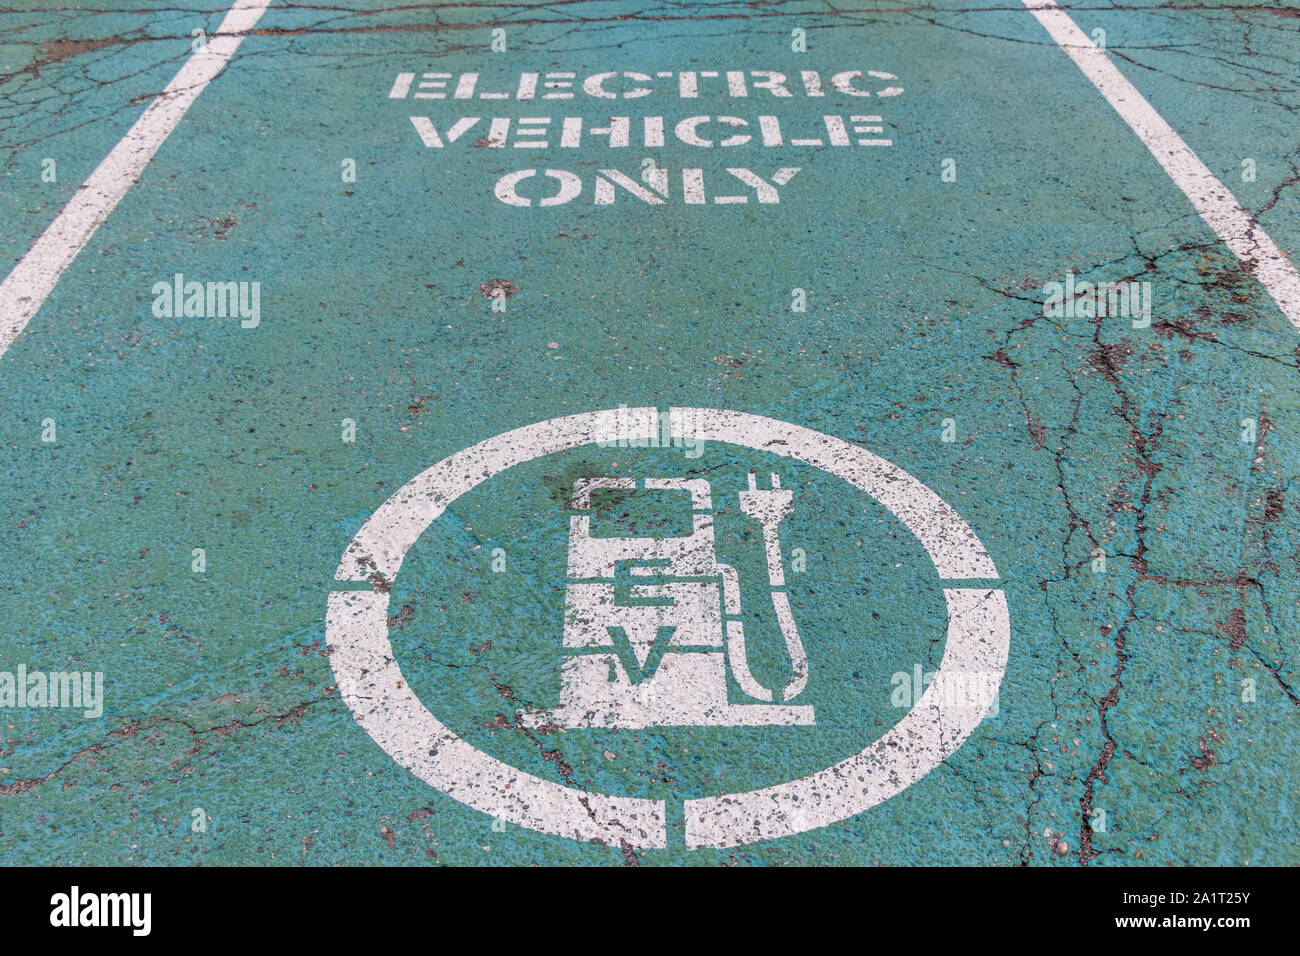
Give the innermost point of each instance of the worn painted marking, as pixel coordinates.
(979, 640)
(381, 699)
(1217, 206)
(37, 273)
(372, 684)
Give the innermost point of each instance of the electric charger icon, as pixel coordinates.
(652, 623)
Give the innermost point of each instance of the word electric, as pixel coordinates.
(631, 85)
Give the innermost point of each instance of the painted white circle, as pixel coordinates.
(372, 685)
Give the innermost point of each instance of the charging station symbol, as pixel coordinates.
(653, 626)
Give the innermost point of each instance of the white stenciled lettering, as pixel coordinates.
(654, 187)
(570, 187)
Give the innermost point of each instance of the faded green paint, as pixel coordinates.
(924, 303)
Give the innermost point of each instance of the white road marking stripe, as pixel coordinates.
(34, 278)
(1217, 206)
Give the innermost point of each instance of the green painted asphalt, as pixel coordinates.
(1160, 690)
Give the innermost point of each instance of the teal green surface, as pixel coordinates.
(1124, 688)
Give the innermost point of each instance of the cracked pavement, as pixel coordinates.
(1148, 713)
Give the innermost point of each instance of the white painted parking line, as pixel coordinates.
(34, 278)
(1217, 206)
